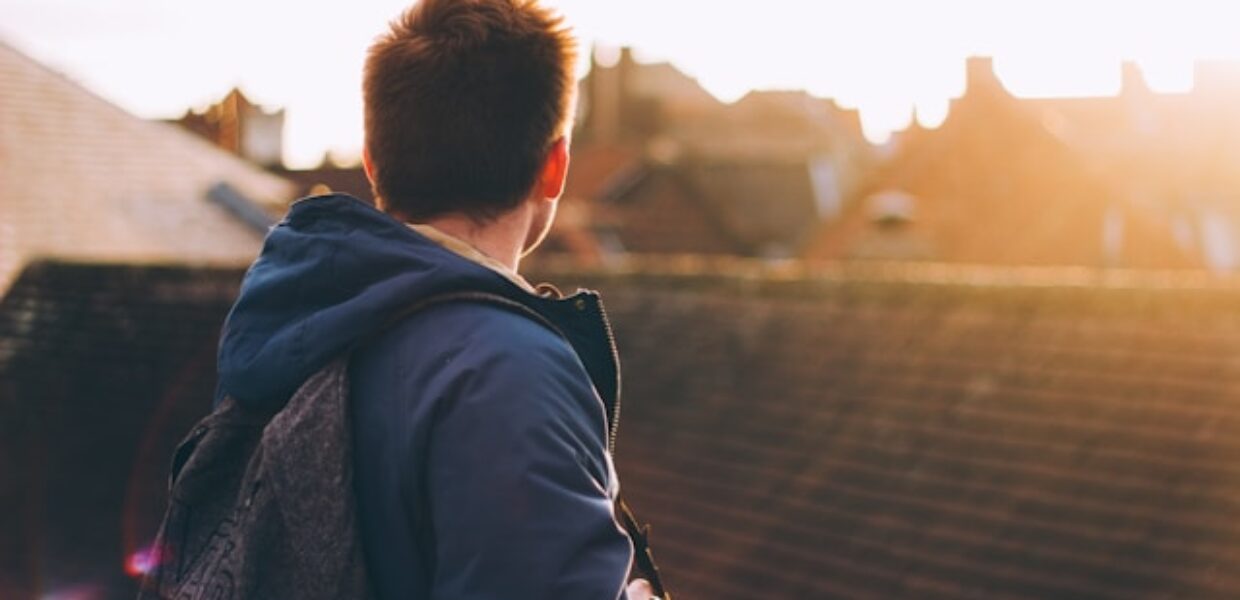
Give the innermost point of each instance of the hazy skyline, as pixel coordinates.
(156, 58)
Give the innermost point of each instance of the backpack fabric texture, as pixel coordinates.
(261, 505)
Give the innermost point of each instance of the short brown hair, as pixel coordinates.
(464, 98)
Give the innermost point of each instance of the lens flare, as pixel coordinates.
(142, 561)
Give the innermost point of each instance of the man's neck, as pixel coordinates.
(502, 239)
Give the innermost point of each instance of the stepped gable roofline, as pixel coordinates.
(1068, 227)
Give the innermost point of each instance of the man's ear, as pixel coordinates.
(368, 166)
(554, 170)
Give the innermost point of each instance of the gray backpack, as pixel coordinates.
(261, 505)
(247, 519)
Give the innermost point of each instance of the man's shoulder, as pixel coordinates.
(482, 327)
(468, 349)
(484, 354)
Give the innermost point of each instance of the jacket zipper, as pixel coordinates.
(614, 424)
(615, 360)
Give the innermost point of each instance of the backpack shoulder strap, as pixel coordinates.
(642, 553)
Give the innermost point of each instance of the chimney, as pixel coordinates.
(626, 71)
(627, 61)
(1132, 79)
(980, 75)
(605, 97)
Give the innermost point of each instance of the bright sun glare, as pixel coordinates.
(884, 56)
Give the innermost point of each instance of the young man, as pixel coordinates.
(482, 430)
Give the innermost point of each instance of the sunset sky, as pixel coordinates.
(158, 57)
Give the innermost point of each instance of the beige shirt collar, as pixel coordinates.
(467, 251)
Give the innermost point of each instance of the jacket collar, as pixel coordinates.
(469, 252)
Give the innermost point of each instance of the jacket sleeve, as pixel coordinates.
(520, 482)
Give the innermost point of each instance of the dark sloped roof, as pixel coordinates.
(660, 212)
(767, 205)
(908, 436)
(873, 432)
(742, 208)
(597, 168)
(102, 370)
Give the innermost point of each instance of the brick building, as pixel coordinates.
(240, 127)
(697, 176)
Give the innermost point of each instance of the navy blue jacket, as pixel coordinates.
(482, 436)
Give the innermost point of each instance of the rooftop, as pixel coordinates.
(846, 430)
(79, 175)
(933, 433)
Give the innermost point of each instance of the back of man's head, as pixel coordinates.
(464, 99)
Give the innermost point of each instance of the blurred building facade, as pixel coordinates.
(1176, 155)
(244, 129)
(993, 185)
(659, 165)
(696, 176)
(237, 125)
(1137, 180)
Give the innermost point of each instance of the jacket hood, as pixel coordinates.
(333, 272)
